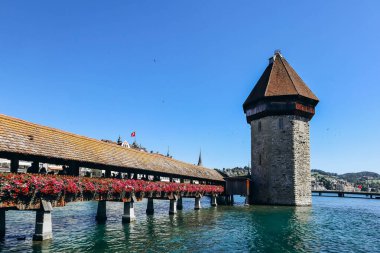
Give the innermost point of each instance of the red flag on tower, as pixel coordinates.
(133, 134)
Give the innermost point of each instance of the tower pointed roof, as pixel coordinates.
(200, 159)
(279, 80)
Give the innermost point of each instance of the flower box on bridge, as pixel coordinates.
(25, 191)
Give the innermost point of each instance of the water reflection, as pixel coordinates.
(280, 228)
(43, 246)
(98, 236)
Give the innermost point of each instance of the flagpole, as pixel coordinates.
(133, 135)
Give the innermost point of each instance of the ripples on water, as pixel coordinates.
(330, 225)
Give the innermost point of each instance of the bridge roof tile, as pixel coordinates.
(19, 137)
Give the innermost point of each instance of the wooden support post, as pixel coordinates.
(246, 201)
(107, 174)
(129, 212)
(101, 214)
(232, 200)
(173, 207)
(2, 223)
(320, 193)
(43, 229)
(14, 165)
(75, 170)
(213, 200)
(179, 201)
(179, 204)
(197, 205)
(35, 167)
(227, 200)
(150, 207)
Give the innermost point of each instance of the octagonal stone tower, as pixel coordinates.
(279, 109)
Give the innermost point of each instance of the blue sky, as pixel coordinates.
(177, 72)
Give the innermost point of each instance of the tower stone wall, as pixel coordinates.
(281, 160)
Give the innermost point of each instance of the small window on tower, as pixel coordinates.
(260, 159)
(281, 124)
(259, 126)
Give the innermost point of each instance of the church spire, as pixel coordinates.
(200, 159)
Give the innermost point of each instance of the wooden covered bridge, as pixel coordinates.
(24, 141)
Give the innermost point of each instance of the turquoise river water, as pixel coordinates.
(330, 225)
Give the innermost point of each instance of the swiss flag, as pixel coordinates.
(133, 134)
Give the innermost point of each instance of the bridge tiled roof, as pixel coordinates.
(19, 137)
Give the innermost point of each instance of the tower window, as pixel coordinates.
(281, 124)
(259, 126)
(260, 159)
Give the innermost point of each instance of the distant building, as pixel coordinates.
(316, 185)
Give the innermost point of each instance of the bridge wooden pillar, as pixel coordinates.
(179, 204)
(2, 223)
(246, 201)
(173, 207)
(179, 200)
(197, 205)
(101, 213)
(150, 207)
(35, 168)
(129, 212)
(213, 200)
(43, 230)
(14, 165)
(107, 174)
(74, 170)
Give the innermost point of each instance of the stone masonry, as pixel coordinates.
(281, 160)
